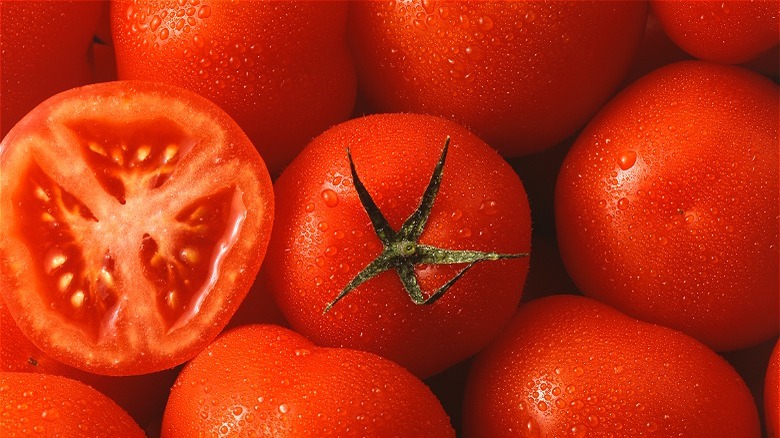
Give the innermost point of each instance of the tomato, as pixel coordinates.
(570, 366)
(280, 69)
(772, 393)
(56, 406)
(263, 380)
(317, 261)
(725, 31)
(523, 75)
(135, 216)
(143, 397)
(44, 51)
(667, 204)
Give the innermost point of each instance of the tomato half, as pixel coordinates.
(135, 217)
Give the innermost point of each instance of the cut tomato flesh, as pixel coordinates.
(135, 231)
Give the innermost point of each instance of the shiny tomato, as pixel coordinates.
(772, 394)
(44, 48)
(135, 217)
(394, 243)
(667, 203)
(570, 366)
(263, 380)
(46, 405)
(280, 69)
(523, 75)
(732, 31)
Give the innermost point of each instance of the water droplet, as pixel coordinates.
(652, 426)
(164, 33)
(284, 408)
(331, 251)
(622, 203)
(155, 23)
(238, 410)
(204, 12)
(330, 197)
(532, 429)
(542, 406)
(322, 226)
(488, 207)
(457, 214)
(464, 233)
(309, 207)
(302, 352)
(50, 414)
(627, 160)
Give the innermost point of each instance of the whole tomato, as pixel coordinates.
(391, 241)
(280, 69)
(571, 366)
(667, 204)
(733, 31)
(44, 48)
(56, 406)
(523, 75)
(263, 380)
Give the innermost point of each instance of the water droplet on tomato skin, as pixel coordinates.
(627, 159)
(330, 197)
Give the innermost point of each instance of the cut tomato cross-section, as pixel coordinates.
(134, 219)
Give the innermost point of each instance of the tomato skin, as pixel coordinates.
(667, 204)
(280, 69)
(726, 31)
(39, 38)
(56, 406)
(328, 238)
(523, 75)
(772, 394)
(129, 264)
(264, 380)
(571, 365)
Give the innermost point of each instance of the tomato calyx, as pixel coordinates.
(402, 250)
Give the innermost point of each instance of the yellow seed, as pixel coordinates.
(170, 151)
(56, 261)
(143, 152)
(170, 299)
(190, 255)
(156, 259)
(47, 217)
(94, 147)
(41, 194)
(77, 299)
(116, 155)
(107, 278)
(65, 281)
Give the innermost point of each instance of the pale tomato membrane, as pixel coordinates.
(134, 219)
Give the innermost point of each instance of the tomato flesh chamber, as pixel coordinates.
(180, 265)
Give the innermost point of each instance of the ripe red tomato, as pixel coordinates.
(280, 69)
(328, 238)
(772, 394)
(523, 75)
(570, 366)
(667, 204)
(263, 380)
(722, 31)
(45, 405)
(44, 51)
(135, 217)
(143, 397)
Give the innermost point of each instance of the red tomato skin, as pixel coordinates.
(264, 380)
(328, 238)
(523, 75)
(44, 46)
(152, 347)
(569, 365)
(725, 31)
(56, 406)
(282, 70)
(667, 205)
(772, 394)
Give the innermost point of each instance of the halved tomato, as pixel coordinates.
(135, 218)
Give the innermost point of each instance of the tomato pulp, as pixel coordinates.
(135, 216)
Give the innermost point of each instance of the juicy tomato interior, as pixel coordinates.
(142, 234)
